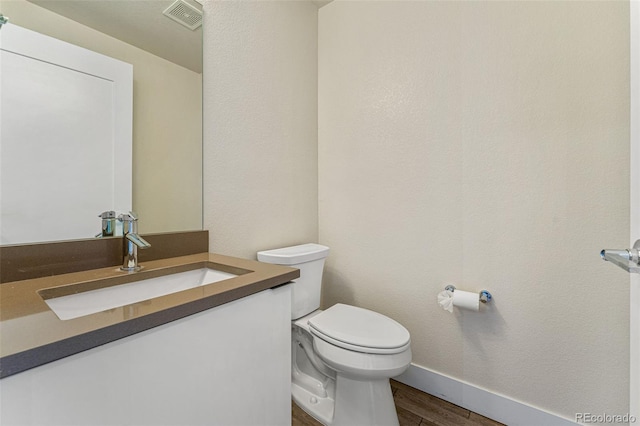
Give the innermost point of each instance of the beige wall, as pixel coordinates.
(167, 122)
(260, 127)
(483, 144)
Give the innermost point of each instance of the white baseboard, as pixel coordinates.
(478, 400)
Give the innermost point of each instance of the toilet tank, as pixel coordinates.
(309, 258)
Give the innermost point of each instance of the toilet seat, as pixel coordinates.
(360, 330)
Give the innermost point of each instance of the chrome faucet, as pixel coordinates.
(131, 241)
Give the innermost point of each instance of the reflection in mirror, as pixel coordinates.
(167, 85)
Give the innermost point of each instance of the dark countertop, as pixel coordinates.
(31, 334)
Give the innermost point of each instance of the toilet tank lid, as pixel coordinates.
(294, 254)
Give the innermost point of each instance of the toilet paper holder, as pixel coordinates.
(484, 295)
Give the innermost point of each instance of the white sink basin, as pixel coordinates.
(89, 302)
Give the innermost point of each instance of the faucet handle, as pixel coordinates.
(110, 214)
(128, 217)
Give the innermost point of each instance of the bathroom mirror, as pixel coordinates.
(167, 96)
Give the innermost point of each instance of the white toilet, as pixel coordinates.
(343, 357)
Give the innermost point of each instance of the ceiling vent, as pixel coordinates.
(185, 14)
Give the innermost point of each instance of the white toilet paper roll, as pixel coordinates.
(466, 300)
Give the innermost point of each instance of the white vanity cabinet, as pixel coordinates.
(229, 365)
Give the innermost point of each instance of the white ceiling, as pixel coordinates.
(139, 23)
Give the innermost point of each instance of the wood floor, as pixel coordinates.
(415, 408)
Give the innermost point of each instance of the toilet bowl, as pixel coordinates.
(342, 357)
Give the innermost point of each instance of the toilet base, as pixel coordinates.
(317, 407)
(364, 403)
(361, 403)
